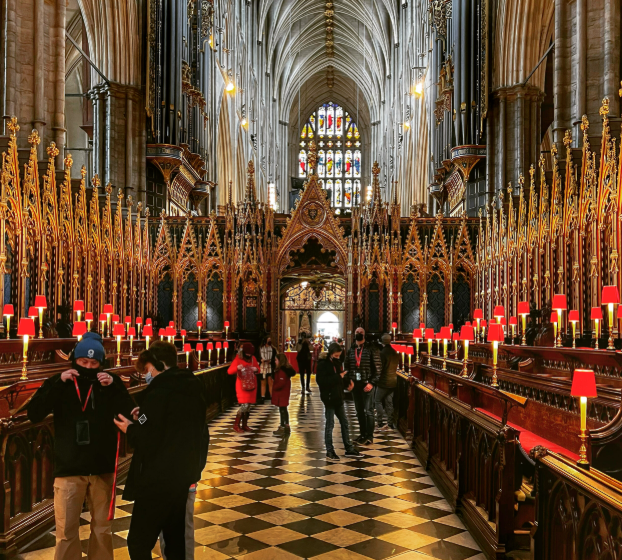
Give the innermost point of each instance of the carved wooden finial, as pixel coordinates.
(567, 138)
(68, 162)
(52, 150)
(13, 126)
(83, 172)
(604, 109)
(33, 138)
(130, 201)
(312, 157)
(95, 181)
(108, 189)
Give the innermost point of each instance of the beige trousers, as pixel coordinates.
(69, 495)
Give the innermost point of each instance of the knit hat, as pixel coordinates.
(248, 348)
(386, 339)
(90, 347)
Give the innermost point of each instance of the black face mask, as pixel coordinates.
(359, 336)
(247, 357)
(86, 373)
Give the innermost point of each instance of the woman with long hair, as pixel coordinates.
(267, 365)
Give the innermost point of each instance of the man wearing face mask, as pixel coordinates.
(84, 401)
(364, 366)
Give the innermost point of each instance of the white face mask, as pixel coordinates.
(149, 377)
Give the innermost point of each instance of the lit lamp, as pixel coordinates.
(210, 347)
(187, 349)
(148, 321)
(596, 316)
(429, 336)
(128, 322)
(584, 387)
(78, 307)
(147, 333)
(394, 326)
(560, 303)
(456, 338)
(115, 320)
(410, 351)
(161, 334)
(199, 349)
(499, 312)
(8, 312)
(554, 320)
(183, 336)
(102, 320)
(523, 311)
(199, 325)
(108, 311)
(88, 317)
(403, 351)
(119, 333)
(445, 335)
(573, 317)
(131, 333)
(25, 329)
(170, 334)
(225, 347)
(504, 324)
(218, 347)
(484, 324)
(466, 336)
(417, 336)
(32, 313)
(79, 328)
(139, 324)
(226, 329)
(478, 315)
(611, 297)
(513, 324)
(41, 304)
(495, 335)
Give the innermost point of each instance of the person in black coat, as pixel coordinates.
(303, 358)
(84, 401)
(330, 379)
(170, 438)
(390, 361)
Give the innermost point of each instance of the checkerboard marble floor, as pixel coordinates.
(271, 498)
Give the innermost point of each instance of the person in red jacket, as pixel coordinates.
(245, 366)
(281, 389)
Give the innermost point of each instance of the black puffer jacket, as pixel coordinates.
(370, 367)
(170, 438)
(390, 361)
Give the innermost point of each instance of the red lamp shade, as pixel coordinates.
(495, 333)
(33, 312)
(395, 347)
(455, 336)
(429, 334)
(226, 324)
(199, 347)
(218, 346)
(610, 295)
(499, 311)
(583, 383)
(41, 302)
(410, 350)
(148, 330)
(79, 328)
(128, 319)
(108, 309)
(78, 305)
(523, 308)
(597, 313)
(161, 332)
(119, 330)
(394, 325)
(445, 333)
(478, 314)
(417, 333)
(148, 321)
(8, 310)
(554, 317)
(139, 320)
(503, 322)
(88, 316)
(171, 323)
(199, 323)
(131, 331)
(559, 302)
(102, 317)
(170, 331)
(225, 345)
(573, 316)
(513, 321)
(187, 347)
(183, 332)
(468, 323)
(466, 333)
(210, 346)
(26, 327)
(115, 318)
(484, 324)
(422, 326)
(451, 326)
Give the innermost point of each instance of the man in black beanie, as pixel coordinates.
(84, 401)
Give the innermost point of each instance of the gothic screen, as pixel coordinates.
(339, 154)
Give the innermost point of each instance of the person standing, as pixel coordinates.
(267, 360)
(84, 401)
(387, 382)
(363, 366)
(282, 389)
(303, 357)
(245, 368)
(169, 437)
(330, 379)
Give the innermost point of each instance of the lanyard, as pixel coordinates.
(358, 356)
(79, 397)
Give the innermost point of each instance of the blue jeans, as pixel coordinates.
(364, 403)
(340, 413)
(386, 395)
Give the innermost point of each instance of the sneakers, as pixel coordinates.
(308, 391)
(354, 454)
(367, 441)
(360, 439)
(332, 456)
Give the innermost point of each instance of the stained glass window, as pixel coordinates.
(339, 154)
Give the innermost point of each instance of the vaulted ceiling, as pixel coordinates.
(297, 36)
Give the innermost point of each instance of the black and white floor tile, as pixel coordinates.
(271, 498)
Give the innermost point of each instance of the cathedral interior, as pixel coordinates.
(448, 172)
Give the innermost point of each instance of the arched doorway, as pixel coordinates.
(328, 325)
